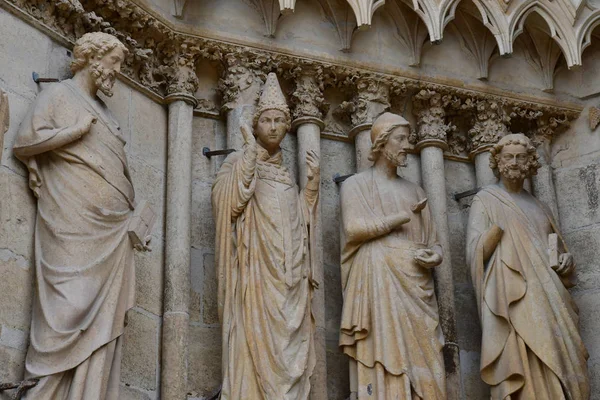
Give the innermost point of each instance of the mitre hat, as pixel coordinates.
(272, 97)
(386, 121)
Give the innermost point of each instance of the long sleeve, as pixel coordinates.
(237, 177)
(42, 130)
(359, 222)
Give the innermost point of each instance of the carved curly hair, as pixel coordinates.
(516, 138)
(94, 43)
(381, 140)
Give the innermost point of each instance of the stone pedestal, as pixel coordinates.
(177, 248)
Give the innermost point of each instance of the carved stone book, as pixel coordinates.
(141, 223)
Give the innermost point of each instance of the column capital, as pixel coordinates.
(372, 98)
(430, 108)
(180, 71)
(240, 82)
(490, 124)
(307, 98)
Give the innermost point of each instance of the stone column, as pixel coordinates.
(308, 110)
(431, 132)
(174, 366)
(490, 125)
(177, 248)
(371, 100)
(240, 87)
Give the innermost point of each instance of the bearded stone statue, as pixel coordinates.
(265, 244)
(84, 253)
(521, 269)
(390, 323)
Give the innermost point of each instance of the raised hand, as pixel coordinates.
(312, 162)
(247, 134)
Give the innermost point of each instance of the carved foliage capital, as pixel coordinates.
(430, 108)
(180, 71)
(307, 97)
(372, 98)
(490, 121)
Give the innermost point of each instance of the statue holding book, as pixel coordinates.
(88, 224)
(521, 269)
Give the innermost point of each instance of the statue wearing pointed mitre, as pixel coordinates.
(264, 262)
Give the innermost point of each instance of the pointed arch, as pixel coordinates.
(563, 35)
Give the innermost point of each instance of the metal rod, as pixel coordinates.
(37, 79)
(208, 153)
(472, 192)
(337, 178)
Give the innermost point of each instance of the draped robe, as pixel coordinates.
(84, 259)
(265, 278)
(390, 322)
(531, 347)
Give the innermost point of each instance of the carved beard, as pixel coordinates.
(105, 80)
(514, 175)
(398, 159)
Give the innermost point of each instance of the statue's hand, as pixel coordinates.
(427, 258)
(146, 246)
(247, 134)
(84, 123)
(566, 264)
(312, 162)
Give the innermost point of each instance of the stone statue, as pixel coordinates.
(531, 347)
(264, 262)
(390, 324)
(84, 257)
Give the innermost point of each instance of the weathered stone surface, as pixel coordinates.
(205, 360)
(18, 61)
(131, 393)
(584, 244)
(338, 378)
(17, 216)
(472, 385)
(203, 225)
(150, 185)
(12, 362)
(205, 135)
(210, 312)
(148, 131)
(139, 367)
(578, 196)
(149, 268)
(18, 107)
(121, 103)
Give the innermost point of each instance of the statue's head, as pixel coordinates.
(389, 135)
(272, 119)
(100, 55)
(514, 158)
